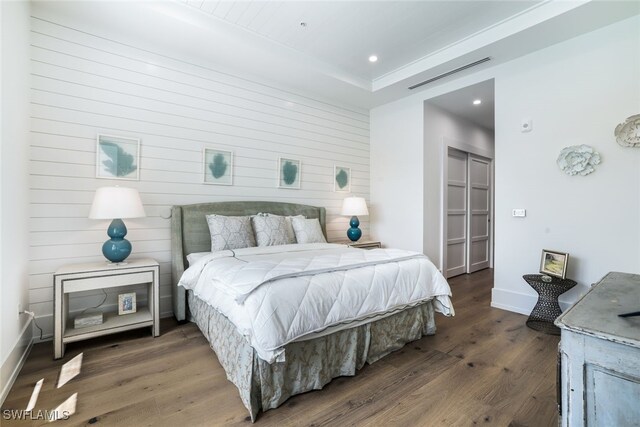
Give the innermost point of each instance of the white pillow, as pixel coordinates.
(271, 230)
(308, 230)
(192, 258)
(290, 218)
(230, 232)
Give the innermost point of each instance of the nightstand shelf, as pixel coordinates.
(102, 275)
(112, 324)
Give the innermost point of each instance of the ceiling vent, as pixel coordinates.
(448, 73)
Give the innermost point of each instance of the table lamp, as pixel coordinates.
(116, 203)
(354, 206)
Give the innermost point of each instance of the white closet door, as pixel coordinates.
(456, 261)
(479, 225)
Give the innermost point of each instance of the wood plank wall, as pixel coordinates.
(84, 84)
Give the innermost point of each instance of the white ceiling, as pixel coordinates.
(345, 33)
(415, 40)
(460, 103)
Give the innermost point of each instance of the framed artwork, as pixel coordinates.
(118, 157)
(341, 179)
(217, 166)
(127, 303)
(554, 263)
(289, 171)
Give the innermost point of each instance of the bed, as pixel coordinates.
(268, 375)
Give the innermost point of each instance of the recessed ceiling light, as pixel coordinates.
(373, 58)
(477, 101)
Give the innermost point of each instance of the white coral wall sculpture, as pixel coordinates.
(627, 133)
(578, 160)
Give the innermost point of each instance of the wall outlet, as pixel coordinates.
(519, 213)
(19, 309)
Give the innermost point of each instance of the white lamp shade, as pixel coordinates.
(354, 206)
(116, 202)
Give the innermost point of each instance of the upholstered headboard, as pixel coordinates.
(190, 233)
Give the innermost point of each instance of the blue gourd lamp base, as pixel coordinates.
(116, 249)
(354, 233)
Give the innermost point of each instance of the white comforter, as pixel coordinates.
(278, 294)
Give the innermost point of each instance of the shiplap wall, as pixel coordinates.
(84, 84)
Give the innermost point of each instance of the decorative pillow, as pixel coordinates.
(289, 219)
(308, 230)
(230, 232)
(271, 230)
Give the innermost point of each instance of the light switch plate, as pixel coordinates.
(519, 213)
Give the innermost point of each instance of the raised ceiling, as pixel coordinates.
(414, 40)
(345, 33)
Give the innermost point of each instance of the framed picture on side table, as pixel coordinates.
(554, 263)
(127, 303)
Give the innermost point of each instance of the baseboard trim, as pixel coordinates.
(507, 307)
(20, 354)
(513, 301)
(520, 303)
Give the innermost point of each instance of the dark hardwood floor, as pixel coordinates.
(483, 367)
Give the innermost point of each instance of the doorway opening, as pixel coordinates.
(459, 131)
(467, 239)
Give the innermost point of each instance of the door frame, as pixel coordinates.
(471, 158)
(444, 153)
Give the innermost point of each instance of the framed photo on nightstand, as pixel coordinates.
(554, 263)
(127, 303)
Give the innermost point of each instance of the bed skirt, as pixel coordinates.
(310, 364)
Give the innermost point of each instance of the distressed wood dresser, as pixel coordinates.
(600, 355)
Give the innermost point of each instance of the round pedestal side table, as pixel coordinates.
(547, 308)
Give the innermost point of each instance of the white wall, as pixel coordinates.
(575, 92)
(88, 81)
(440, 128)
(14, 189)
(397, 175)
